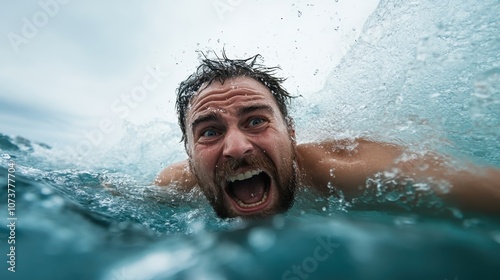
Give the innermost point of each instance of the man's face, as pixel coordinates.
(240, 149)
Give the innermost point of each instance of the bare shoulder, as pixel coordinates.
(176, 175)
(344, 163)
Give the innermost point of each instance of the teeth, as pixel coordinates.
(244, 176)
(240, 203)
(248, 174)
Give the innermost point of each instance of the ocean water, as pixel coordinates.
(423, 74)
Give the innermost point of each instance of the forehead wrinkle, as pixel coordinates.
(216, 100)
(222, 95)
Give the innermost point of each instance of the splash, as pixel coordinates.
(417, 78)
(423, 74)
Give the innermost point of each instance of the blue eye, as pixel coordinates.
(256, 121)
(209, 133)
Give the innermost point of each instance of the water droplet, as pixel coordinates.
(29, 197)
(402, 221)
(196, 226)
(423, 167)
(393, 196)
(46, 191)
(261, 238)
(53, 202)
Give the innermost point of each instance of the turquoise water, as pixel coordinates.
(422, 74)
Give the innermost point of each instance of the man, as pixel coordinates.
(242, 152)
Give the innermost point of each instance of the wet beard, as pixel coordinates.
(285, 182)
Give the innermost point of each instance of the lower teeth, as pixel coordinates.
(240, 203)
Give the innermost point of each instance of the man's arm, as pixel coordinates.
(470, 187)
(348, 164)
(177, 175)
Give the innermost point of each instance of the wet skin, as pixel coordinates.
(236, 129)
(229, 123)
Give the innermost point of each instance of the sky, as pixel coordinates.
(72, 66)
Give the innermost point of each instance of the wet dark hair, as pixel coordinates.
(222, 69)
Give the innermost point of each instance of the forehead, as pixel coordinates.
(217, 95)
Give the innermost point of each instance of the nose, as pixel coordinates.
(236, 144)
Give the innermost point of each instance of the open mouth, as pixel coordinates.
(249, 190)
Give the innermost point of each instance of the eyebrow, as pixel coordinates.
(212, 116)
(250, 109)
